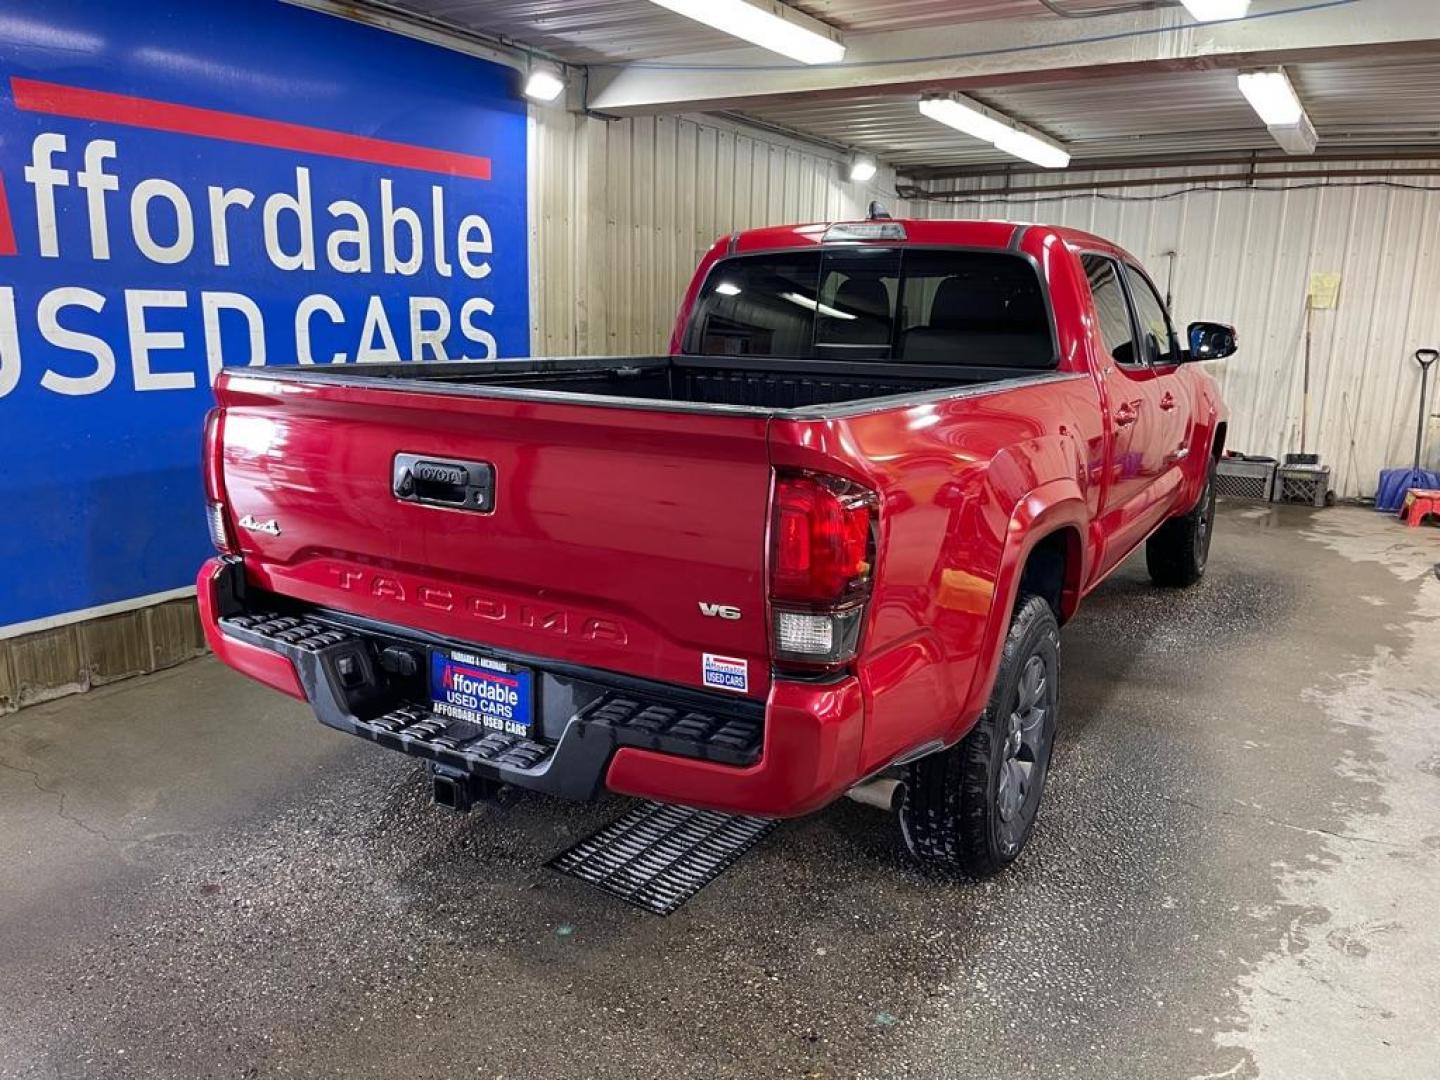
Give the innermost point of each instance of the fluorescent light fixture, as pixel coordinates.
(1215, 10)
(766, 23)
(545, 83)
(1033, 149)
(1271, 96)
(824, 309)
(964, 116)
(1276, 103)
(1004, 134)
(1297, 138)
(863, 169)
(728, 288)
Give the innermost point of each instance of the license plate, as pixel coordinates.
(491, 693)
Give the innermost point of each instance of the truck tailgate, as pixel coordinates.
(612, 530)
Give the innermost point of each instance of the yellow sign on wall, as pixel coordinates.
(1324, 290)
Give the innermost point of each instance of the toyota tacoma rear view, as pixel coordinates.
(824, 545)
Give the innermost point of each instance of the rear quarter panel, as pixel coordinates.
(967, 484)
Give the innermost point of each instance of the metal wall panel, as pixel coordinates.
(1245, 255)
(621, 211)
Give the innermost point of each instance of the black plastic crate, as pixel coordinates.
(1304, 484)
(1238, 478)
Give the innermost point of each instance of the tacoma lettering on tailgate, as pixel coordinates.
(492, 609)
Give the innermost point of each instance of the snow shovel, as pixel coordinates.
(1394, 483)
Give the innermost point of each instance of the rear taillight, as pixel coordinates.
(216, 516)
(822, 554)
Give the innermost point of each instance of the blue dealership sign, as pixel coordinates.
(191, 185)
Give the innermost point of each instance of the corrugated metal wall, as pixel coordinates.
(1245, 255)
(622, 210)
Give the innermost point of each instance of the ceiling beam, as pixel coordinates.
(1010, 51)
(1253, 158)
(1040, 192)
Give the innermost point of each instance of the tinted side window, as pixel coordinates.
(758, 306)
(1150, 313)
(1111, 307)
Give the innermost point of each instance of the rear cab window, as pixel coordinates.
(984, 308)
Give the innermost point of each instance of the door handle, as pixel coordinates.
(1126, 414)
(1167, 401)
(459, 485)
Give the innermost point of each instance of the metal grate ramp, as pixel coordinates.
(657, 857)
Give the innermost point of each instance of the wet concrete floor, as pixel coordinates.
(1235, 875)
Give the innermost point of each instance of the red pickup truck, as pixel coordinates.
(822, 546)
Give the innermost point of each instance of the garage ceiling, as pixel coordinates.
(1146, 84)
(593, 31)
(1355, 105)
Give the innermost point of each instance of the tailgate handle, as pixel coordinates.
(432, 481)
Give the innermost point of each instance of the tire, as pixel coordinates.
(972, 808)
(1177, 552)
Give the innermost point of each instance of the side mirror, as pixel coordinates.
(1211, 340)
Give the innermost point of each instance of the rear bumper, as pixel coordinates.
(811, 757)
(598, 731)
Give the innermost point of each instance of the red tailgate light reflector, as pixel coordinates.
(823, 539)
(823, 536)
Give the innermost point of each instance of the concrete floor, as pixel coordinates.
(1235, 875)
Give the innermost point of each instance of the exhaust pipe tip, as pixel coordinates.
(883, 794)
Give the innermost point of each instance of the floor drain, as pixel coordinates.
(657, 857)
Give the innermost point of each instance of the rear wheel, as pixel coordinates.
(972, 807)
(1177, 552)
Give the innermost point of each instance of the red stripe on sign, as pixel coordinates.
(481, 673)
(7, 230)
(34, 96)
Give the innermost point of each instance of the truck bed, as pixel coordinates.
(685, 381)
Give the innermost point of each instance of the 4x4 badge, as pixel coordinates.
(269, 528)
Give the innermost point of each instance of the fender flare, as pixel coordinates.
(1054, 505)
